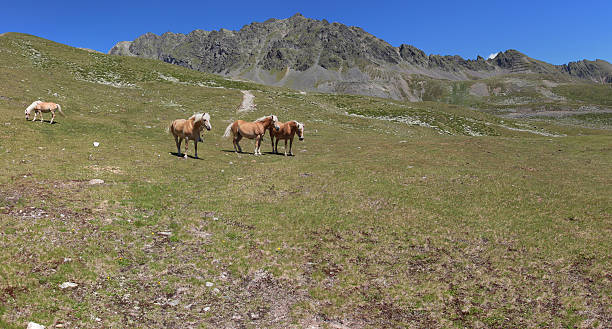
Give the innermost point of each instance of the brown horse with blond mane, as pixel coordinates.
(189, 129)
(42, 107)
(287, 131)
(252, 130)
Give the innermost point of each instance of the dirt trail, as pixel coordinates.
(247, 102)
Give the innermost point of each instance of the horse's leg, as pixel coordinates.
(195, 144)
(276, 147)
(186, 146)
(257, 144)
(272, 140)
(285, 147)
(238, 138)
(291, 146)
(178, 147)
(52, 116)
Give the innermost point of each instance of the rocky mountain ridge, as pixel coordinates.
(309, 54)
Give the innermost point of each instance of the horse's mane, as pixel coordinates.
(298, 124)
(198, 116)
(33, 105)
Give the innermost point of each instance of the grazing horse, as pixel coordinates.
(252, 130)
(287, 131)
(42, 107)
(189, 129)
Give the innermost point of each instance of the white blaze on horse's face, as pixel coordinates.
(206, 121)
(300, 131)
(274, 121)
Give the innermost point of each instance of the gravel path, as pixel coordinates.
(247, 102)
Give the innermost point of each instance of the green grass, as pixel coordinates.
(589, 93)
(374, 223)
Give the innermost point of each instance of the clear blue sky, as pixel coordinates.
(553, 31)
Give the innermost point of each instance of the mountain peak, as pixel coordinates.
(311, 54)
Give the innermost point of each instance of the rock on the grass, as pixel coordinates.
(96, 181)
(68, 285)
(34, 325)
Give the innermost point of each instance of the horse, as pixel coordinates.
(252, 130)
(189, 129)
(287, 131)
(42, 107)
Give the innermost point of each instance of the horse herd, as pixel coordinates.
(190, 129)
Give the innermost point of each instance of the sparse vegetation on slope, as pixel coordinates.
(588, 93)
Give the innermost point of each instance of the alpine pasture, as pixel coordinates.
(390, 214)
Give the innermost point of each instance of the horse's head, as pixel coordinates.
(206, 121)
(275, 122)
(300, 130)
(202, 119)
(29, 109)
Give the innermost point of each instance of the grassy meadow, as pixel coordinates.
(390, 214)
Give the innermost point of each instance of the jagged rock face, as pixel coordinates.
(598, 70)
(309, 54)
(296, 43)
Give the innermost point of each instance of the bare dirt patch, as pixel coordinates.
(479, 89)
(110, 169)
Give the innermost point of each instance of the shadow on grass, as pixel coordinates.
(281, 154)
(182, 155)
(232, 151)
(251, 153)
(45, 121)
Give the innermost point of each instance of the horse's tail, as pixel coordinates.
(228, 130)
(59, 108)
(169, 127)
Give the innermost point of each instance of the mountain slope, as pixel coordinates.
(391, 214)
(308, 54)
